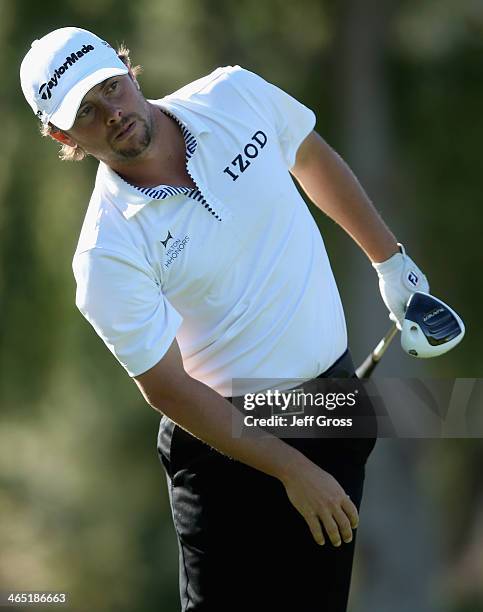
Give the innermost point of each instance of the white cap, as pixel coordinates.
(61, 68)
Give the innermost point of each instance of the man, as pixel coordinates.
(199, 265)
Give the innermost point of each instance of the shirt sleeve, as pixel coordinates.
(292, 120)
(121, 299)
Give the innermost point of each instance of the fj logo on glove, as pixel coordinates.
(412, 278)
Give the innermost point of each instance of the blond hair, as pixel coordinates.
(67, 153)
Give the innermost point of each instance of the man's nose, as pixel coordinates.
(113, 114)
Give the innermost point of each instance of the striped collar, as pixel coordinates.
(161, 192)
(130, 199)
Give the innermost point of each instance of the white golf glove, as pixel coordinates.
(399, 278)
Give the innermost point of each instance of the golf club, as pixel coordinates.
(430, 328)
(370, 362)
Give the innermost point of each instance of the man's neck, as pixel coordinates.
(163, 162)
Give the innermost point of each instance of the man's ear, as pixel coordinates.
(131, 74)
(62, 137)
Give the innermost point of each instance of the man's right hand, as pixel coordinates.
(322, 501)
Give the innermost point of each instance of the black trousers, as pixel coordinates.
(242, 545)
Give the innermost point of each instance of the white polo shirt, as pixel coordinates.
(235, 270)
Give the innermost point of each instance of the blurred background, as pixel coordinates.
(398, 90)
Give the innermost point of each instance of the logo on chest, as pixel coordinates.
(250, 151)
(173, 249)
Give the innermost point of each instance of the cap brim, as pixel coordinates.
(64, 116)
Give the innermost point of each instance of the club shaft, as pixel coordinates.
(370, 362)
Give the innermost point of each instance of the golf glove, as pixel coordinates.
(399, 278)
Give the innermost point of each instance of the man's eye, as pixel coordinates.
(84, 112)
(113, 85)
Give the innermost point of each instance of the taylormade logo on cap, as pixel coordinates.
(61, 67)
(44, 89)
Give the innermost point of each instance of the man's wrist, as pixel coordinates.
(383, 253)
(290, 470)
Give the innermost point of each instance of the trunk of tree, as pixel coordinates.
(396, 554)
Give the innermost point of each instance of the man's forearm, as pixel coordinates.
(313, 492)
(332, 187)
(211, 418)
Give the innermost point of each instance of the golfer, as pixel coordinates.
(201, 268)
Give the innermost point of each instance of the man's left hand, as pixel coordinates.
(399, 278)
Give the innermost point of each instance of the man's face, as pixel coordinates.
(113, 122)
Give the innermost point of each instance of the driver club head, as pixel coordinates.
(430, 327)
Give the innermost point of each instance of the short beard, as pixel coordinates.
(142, 145)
